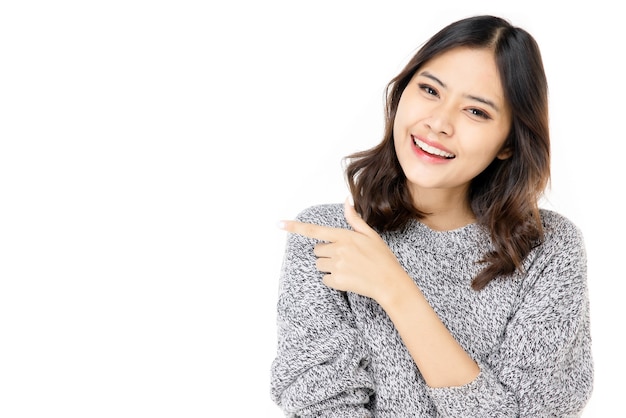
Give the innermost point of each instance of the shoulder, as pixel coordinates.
(562, 237)
(556, 277)
(330, 214)
(558, 227)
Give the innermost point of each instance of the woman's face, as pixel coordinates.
(452, 121)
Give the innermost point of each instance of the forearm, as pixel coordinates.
(439, 357)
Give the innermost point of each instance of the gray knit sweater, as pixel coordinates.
(339, 354)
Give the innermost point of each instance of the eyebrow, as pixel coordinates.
(469, 96)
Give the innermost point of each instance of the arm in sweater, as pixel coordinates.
(319, 369)
(544, 366)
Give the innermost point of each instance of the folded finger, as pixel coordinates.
(323, 249)
(324, 265)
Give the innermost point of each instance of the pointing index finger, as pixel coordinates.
(319, 232)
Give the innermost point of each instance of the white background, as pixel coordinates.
(147, 150)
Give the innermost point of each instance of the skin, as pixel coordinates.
(454, 103)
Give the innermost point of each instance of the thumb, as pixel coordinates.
(354, 219)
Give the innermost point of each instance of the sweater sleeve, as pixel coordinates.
(321, 361)
(544, 367)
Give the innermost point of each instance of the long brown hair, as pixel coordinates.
(504, 197)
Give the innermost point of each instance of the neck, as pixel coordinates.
(446, 210)
(442, 221)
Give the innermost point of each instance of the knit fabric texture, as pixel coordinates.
(339, 354)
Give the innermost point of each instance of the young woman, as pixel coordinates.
(442, 289)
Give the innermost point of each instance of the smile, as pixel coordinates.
(430, 149)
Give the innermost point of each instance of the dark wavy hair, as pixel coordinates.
(504, 197)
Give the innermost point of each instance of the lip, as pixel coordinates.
(429, 157)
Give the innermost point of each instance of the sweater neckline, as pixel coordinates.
(469, 237)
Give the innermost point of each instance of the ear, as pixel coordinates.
(504, 153)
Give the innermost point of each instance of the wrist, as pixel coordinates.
(397, 289)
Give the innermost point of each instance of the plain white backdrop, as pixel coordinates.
(147, 150)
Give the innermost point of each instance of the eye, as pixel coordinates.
(479, 113)
(428, 90)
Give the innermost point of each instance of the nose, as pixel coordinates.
(440, 121)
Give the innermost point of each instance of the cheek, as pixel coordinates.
(398, 126)
(403, 111)
(401, 126)
(484, 155)
(396, 133)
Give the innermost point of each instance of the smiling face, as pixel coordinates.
(451, 122)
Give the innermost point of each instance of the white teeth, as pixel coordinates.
(432, 150)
